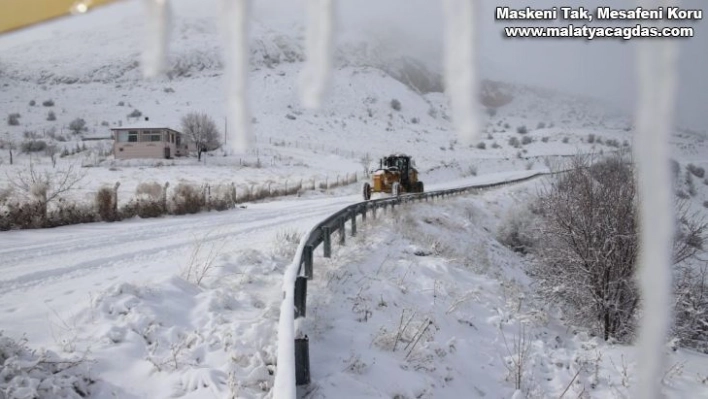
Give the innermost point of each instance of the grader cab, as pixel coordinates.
(395, 175)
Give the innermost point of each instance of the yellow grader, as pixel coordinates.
(395, 175)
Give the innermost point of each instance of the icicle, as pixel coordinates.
(460, 68)
(656, 61)
(319, 46)
(235, 27)
(155, 52)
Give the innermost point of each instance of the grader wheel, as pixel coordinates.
(396, 189)
(366, 191)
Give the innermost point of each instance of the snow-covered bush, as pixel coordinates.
(106, 204)
(28, 373)
(516, 231)
(285, 243)
(77, 126)
(396, 105)
(13, 119)
(187, 199)
(33, 146)
(696, 170)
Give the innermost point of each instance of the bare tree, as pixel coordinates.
(201, 129)
(366, 164)
(45, 187)
(587, 262)
(51, 151)
(77, 126)
(10, 145)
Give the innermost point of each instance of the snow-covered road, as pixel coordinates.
(55, 268)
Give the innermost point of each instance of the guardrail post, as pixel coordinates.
(342, 231)
(327, 242)
(302, 361)
(307, 254)
(363, 214)
(300, 297)
(353, 223)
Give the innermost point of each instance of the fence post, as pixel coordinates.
(342, 231)
(302, 361)
(327, 242)
(300, 297)
(307, 254)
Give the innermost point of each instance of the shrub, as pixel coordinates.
(51, 116)
(68, 213)
(33, 146)
(696, 170)
(481, 146)
(541, 125)
(121, 103)
(151, 190)
(32, 103)
(612, 143)
(591, 138)
(565, 140)
(415, 120)
(77, 126)
(13, 119)
(106, 204)
(514, 142)
(516, 231)
(135, 114)
(395, 104)
(526, 140)
(491, 112)
(495, 145)
(544, 139)
(187, 199)
(522, 130)
(48, 103)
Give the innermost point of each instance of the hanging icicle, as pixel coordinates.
(315, 76)
(157, 36)
(235, 15)
(656, 61)
(461, 82)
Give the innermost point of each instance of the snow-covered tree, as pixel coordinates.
(201, 130)
(588, 261)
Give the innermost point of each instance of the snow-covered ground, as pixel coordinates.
(418, 305)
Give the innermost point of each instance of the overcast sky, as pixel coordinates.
(602, 68)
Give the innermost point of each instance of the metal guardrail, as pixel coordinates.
(321, 234)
